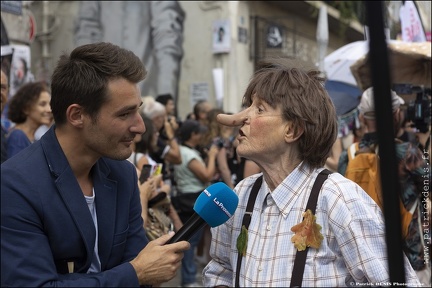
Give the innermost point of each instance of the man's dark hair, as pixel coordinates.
(164, 98)
(198, 108)
(82, 77)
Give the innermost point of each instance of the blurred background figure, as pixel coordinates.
(29, 108)
(168, 101)
(201, 110)
(43, 128)
(144, 145)
(4, 96)
(153, 30)
(411, 170)
(192, 176)
(167, 150)
(141, 156)
(221, 136)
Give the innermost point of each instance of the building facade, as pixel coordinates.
(222, 41)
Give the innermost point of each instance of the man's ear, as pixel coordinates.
(293, 132)
(74, 115)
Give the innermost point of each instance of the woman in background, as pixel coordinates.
(29, 109)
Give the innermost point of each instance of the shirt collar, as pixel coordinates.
(291, 188)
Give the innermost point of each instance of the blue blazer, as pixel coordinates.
(46, 223)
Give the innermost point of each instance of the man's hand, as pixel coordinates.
(158, 263)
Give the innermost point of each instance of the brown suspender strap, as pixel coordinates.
(246, 221)
(300, 259)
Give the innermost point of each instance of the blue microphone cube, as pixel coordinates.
(216, 204)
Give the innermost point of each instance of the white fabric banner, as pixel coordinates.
(411, 25)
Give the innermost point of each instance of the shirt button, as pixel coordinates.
(268, 228)
(260, 268)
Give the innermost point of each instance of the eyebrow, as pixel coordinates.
(129, 108)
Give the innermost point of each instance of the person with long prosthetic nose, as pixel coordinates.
(214, 206)
(297, 224)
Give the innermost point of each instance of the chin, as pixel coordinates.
(122, 154)
(242, 151)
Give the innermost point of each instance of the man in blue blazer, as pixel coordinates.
(70, 206)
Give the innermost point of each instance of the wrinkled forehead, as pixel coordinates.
(256, 98)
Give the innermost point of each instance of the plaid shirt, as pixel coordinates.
(353, 250)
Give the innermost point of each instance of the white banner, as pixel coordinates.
(218, 85)
(411, 25)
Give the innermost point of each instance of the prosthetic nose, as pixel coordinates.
(233, 120)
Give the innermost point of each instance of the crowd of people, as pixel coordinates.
(74, 213)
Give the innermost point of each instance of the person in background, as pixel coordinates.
(168, 101)
(70, 202)
(349, 128)
(144, 147)
(190, 116)
(411, 172)
(201, 110)
(28, 109)
(406, 131)
(288, 129)
(220, 136)
(4, 97)
(192, 176)
(43, 129)
(168, 148)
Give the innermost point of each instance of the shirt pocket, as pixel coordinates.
(120, 238)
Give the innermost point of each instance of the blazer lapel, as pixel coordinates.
(106, 202)
(74, 199)
(70, 192)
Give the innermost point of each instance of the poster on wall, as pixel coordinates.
(20, 70)
(6, 59)
(221, 36)
(199, 91)
(16, 61)
(274, 36)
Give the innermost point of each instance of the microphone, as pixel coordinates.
(214, 206)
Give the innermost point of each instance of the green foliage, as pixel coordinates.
(242, 241)
(349, 11)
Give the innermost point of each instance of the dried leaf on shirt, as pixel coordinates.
(307, 233)
(242, 241)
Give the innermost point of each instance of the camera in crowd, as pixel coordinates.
(418, 110)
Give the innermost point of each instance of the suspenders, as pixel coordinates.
(300, 259)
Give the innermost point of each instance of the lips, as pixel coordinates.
(128, 140)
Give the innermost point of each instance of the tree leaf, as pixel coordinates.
(307, 233)
(242, 240)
